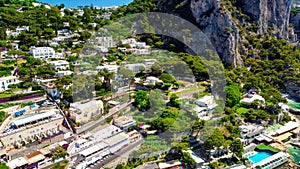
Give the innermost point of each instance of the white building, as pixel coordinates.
(83, 111)
(107, 42)
(131, 41)
(249, 98)
(64, 73)
(109, 68)
(135, 68)
(60, 65)
(205, 101)
(249, 132)
(42, 52)
(124, 122)
(117, 142)
(27, 128)
(152, 80)
(273, 161)
(20, 162)
(20, 29)
(6, 81)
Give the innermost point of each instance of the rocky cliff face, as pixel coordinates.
(292, 88)
(295, 20)
(273, 14)
(219, 23)
(222, 29)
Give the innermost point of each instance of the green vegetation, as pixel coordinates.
(60, 165)
(142, 99)
(3, 166)
(234, 94)
(266, 147)
(241, 111)
(59, 152)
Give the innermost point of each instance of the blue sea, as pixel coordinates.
(97, 3)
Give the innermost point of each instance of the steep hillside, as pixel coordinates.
(251, 37)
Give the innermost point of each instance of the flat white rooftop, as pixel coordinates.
(116, 138)
(18, 162)
(35, 117)
(287, 127)
(94, 149)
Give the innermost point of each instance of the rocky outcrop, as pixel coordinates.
(273, 14)
(219, 28)
(295, 21)
(222, 29)
(292, 88)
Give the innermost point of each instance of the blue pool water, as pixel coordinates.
(260, 156)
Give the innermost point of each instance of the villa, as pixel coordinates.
(6, 81)
(42, 52)
(250, 98)
(83, 111)
(152, 80)
(249, 132)
(60, 65)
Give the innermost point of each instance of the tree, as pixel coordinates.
(142, 99)
(234, 95)
(173, 101)
(156, 69)
(85, 35)
(3, 166)
(167, 78)
(189, 160)
(198, 125)
(237, 147)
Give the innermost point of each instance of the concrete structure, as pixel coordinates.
(83, 111)
(249, 132)
(109, 68)
(152, 80)
(136, 68)
(64, 73)
(52, 90)
(249, 98)
(29, 128)
(107, 42)
(124, 122)
(286, 128)
(17, 163)
(149, 62)
(42, 52)
(170, 165)
(117, 142)
(204, 107)
(273, 161)
(206, 101)
(6, 81)
(60, 65)
(34, 159)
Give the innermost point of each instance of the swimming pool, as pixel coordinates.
(259, 156)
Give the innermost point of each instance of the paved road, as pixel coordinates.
(119, 154)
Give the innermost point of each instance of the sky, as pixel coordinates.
(98, 3)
